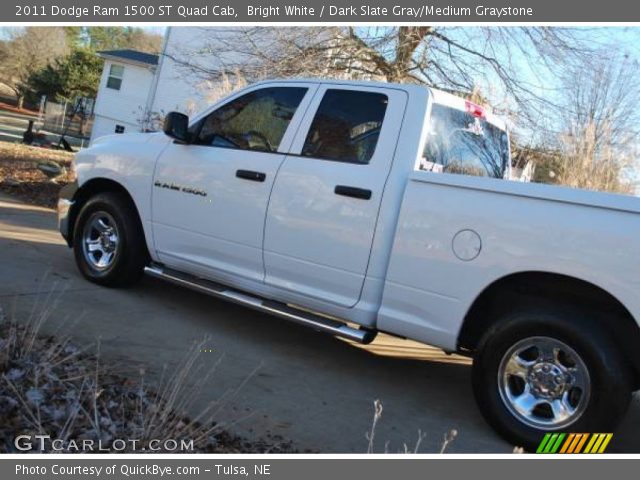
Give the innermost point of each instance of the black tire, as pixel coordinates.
(609, 375)
(130, 253)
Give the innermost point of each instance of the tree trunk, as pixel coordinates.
(20, 101)
(407, 43)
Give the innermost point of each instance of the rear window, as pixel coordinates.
(459, 142)
(346, 126)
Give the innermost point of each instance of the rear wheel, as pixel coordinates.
(540, 370)
(108, 241)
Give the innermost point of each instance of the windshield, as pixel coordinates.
(459, 142)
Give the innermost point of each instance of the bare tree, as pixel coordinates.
(26, 51)
(145, 42)
(459, 59)
(605, 98)
(577, 110)
(593, 162)
(113, 38)
(599, 125)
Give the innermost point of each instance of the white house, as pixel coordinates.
(138, 87)
(125, 85)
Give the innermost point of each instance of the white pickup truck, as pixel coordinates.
(356, 207)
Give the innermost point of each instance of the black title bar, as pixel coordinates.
(318, 11)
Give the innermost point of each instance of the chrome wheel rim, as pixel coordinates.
(544, 383)
(100, 240)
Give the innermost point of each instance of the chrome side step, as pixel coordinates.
(278, 309)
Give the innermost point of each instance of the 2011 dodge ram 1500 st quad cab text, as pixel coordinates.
(335, 203)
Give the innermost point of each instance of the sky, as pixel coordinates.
(612, 43)
(5, 31)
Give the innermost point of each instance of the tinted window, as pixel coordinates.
(255, 121)
(346, 126)
(459, 142)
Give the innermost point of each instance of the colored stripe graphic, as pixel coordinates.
(579, 438)
(606, 441)
(581, 443)
(590, 443)
(568, 443)
(550, 443)
(556, 446)
(543, 443)
(574, 443)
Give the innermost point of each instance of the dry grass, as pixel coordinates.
(20, 152)
(448, 438)
(19, 175)
(49, 386)
(592, 160)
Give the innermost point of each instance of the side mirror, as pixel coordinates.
(176, 125)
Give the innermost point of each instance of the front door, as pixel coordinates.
(325, 200)
(210, 197)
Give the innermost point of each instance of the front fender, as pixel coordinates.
(66, 202)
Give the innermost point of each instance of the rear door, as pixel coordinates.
(325, 201)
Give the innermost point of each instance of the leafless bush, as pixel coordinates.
(589, 163)
(370, 435)
(49, 386)
(149, 120)
(227, 84)
(598, 125)
(590, 138)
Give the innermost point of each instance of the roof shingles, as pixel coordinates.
(132, 55)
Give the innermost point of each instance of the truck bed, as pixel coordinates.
(456, 235)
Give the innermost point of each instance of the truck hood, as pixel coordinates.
(120, 157)
(126, 138)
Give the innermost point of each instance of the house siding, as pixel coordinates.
(178, 87)
(125, 106)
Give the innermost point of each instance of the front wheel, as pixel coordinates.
(541, 370)
(108, 241)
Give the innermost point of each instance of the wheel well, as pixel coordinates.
(507, 291)
(91, 188)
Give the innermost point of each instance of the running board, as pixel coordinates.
(317, 322)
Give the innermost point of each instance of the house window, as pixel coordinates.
(115, 77)
(119, 128)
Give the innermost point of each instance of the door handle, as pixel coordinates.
(354, 192)
(251, 175)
